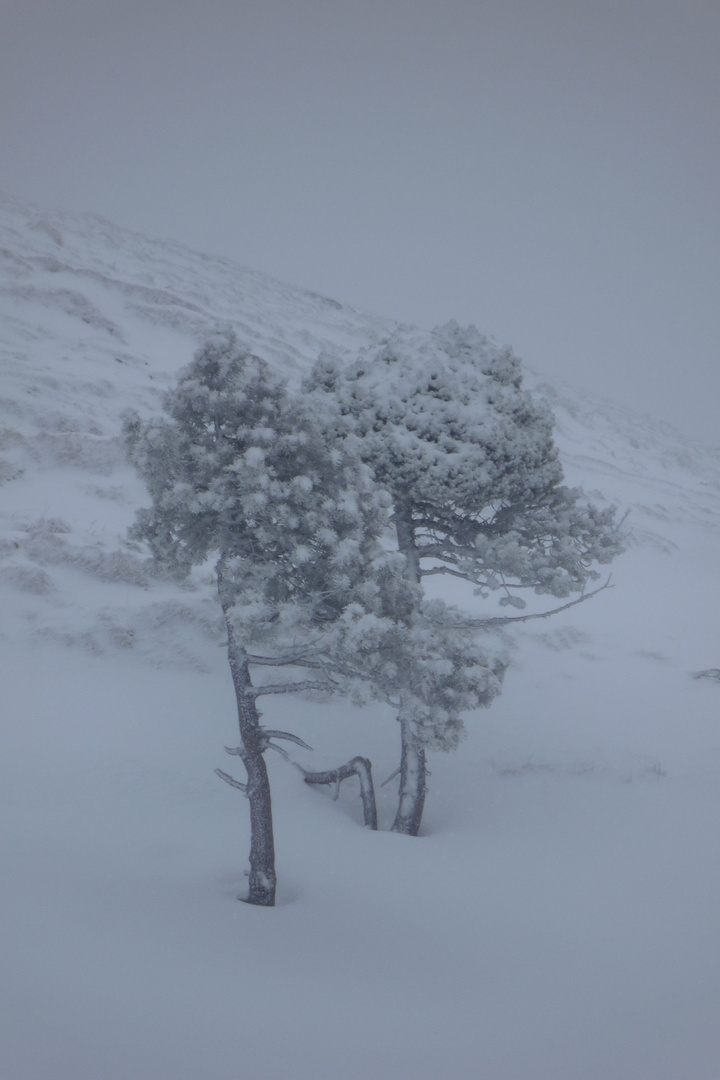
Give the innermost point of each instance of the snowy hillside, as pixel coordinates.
(556, 920)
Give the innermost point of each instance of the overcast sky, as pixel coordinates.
(546, 169)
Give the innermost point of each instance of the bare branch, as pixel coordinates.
(480, 581)
(293, 660)
(277, 749)
(360, 767)
(237, 751)
(503, 620)
(269, 734)
(391, 777)
(229, 780)
(291, 687)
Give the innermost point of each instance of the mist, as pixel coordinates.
(546, 170)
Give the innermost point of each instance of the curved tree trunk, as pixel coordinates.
(413, 774)
(360, 767)
(262, 846)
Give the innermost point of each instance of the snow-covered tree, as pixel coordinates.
(468, 458)
(238, 470)
(433, 666)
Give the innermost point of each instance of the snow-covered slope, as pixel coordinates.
(558, 917)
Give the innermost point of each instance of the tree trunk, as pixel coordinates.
(413, 770)
(405, 531)
(413, 773)
(262, 846)
(360, 767)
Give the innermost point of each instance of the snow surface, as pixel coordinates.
(557, 919)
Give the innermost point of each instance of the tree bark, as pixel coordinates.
(262, 846)
(405, 531)
(413, 770)
(360, 767)
(413, 774)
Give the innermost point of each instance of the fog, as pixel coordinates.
(546, 169)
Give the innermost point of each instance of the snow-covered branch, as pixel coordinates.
(503, 620)
(292, 687)
(358, 766)
(289, 660)
(474, 579)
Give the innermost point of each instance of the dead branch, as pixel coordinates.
(360, 767)
(291, 687)
(229, 780)
(391, 777)
(271, 734)
(278, 750)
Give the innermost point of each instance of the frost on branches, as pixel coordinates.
(468, 460)
(238, 470)
(325, 512)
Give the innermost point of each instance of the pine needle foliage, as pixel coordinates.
(467, 457)
(237, 469)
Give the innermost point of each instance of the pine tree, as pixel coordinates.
(468, 459)
(238, 470)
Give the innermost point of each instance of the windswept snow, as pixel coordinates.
(557, 920)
